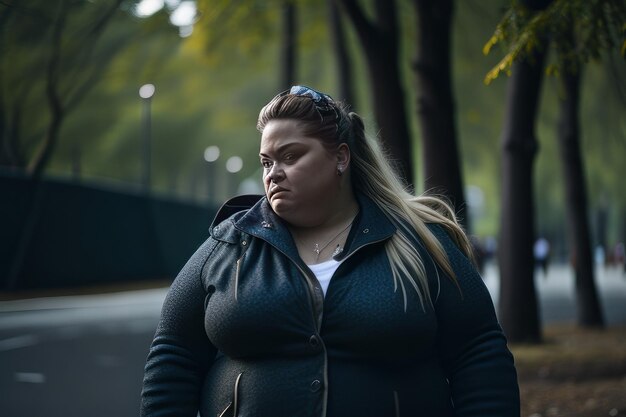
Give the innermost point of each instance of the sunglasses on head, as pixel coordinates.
(323, 102)
(319, 98)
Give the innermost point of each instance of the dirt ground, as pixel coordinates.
(574, 373)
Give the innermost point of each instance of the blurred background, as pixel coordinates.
(211, 71)
(124, 124)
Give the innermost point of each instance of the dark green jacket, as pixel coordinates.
(245, 331)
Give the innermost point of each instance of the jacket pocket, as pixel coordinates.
(231, 408)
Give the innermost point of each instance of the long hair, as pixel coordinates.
(373, 175)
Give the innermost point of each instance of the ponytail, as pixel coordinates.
(373, 175)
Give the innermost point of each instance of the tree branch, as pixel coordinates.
(365, 29)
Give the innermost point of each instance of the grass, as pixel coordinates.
(574, 373)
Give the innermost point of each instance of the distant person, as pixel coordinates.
(491, 246)
(599, 255)
(619, 255)
(542, 254)
(335, 294)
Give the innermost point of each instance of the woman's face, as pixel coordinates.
(299, 173)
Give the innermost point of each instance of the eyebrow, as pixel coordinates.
(282, 148)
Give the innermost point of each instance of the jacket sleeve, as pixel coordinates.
(181, 352)
(472, 345)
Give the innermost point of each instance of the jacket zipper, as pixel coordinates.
(318, 324)
(362, 246)
(396, 401)
(233, 404)
(310, 287)
(236, 395)
(313, 305)
(223, 413)
(245, 243)
(238, 268)
(308, 278)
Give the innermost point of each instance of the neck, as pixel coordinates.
(327, 239)
(338, 215)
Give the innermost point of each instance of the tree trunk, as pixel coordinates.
(518, 308)
(7, 152)
(379, 42)
(53, 69)
(435, 103)
(579, 236)
(344, 66)
(288, 58)
(38, 163)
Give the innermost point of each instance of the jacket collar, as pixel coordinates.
(371, 225)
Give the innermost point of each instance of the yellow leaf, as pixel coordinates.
(490, 43)
(491, 75)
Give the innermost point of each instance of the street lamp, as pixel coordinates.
(211, 154)
(146, 92)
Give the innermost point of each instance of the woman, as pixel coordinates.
(336, 294)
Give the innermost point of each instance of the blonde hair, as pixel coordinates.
(373, 175)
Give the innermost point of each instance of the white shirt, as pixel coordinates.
(324, 272)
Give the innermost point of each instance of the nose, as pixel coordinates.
(275, 174)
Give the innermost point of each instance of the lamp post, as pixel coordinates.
(211, 154)
(146, 92)
(233, 165)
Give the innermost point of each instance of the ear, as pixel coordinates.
(343, 156)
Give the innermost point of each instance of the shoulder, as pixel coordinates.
(449, 241)
(234, 206)
(441, 234)
(222, 227)
(222, 230)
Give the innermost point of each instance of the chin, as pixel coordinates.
(280, 207)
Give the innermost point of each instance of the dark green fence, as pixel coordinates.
(61, 234)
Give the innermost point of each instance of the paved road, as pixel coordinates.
(75, 356)
(556, 293)
(83, 356)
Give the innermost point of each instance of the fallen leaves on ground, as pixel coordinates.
(575, 372)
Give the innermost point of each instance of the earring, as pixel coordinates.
(339, 172)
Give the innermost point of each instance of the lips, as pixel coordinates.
(276, 190)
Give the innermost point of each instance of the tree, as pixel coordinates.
(574, 39)
(435, 102)
(379, 43)
(66, 51)
(342, 58)
(63, 38)
(579, 30)
(518, 309)
(289, 49)
(579, 235)
(253, 25)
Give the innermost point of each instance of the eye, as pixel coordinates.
(290, 157)
(266, 163)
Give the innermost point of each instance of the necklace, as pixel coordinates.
(318, 250)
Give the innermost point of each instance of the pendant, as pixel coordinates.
(317, 250)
